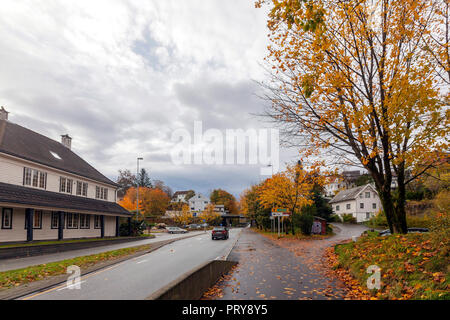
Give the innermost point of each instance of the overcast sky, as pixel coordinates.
(121, 76)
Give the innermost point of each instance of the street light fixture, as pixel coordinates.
(137, 187)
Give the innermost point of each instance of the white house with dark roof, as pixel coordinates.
(361, 202)
(198, 203)
(47, 192)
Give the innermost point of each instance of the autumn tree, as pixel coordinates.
(210, 215)
(152, 202)
(155, 202)
(184, 216)
(355, 83)
(291, 189)
(222, 197)
(125, 180)
(252, 208)
(158, 184)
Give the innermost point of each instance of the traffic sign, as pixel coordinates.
(280, 214)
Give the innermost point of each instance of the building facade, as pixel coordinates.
(361, 202)
(47, 192)
(198, 203)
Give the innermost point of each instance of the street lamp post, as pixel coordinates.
(137, 187)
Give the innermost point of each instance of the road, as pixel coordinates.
(138, 278)
(283, 269)
(14, 264)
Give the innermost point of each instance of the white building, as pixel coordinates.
(198, 203)
(180, 197)
(347, 181)
(361, 202)
(47, 192)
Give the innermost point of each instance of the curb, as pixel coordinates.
(42, 285)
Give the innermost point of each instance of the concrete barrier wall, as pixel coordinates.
(37, 250)
(194, 284)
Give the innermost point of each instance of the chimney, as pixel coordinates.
(3, 114)
(66, 140)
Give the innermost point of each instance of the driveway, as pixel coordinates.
(283, 269)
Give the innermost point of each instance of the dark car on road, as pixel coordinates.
(220, 233)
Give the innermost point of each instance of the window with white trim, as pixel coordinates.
(34, 178)
(349, 206)
(367, 195)
(361, 205)
(97, 222)
(374, 205)
(82, 188)
(101, 193)
(85, 221)
(7, 215)
(55, 220)
(65, 185)
(37, 219)
(72, 220)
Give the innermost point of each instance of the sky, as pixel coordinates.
(121, 76)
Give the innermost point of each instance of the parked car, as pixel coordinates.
(220, 233)
(173, 230)
(194, 226)
(387, 232)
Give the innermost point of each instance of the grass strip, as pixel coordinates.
(14, 278)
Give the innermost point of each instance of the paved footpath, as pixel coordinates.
(13, 264)
(284, 270)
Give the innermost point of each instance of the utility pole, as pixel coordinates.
(137, 188)
(297, 176)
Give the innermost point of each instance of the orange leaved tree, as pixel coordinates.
(363, 83)
(291, 189)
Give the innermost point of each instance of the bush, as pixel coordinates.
(137, 229)
(349, 218)
(335, 218)
(305, 221)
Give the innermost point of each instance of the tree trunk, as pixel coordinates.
(400, 208)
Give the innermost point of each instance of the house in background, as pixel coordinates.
(361, 202)
(347, 181)
(198, 203)
(47, 192)
(180, 196)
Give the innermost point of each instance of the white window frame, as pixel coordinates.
(7, 212)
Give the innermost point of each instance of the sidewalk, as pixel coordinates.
(13, 264)
(273, 270)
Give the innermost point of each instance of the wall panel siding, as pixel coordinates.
(18, 232)
(11, 171)
(46, 233)
(110, 226)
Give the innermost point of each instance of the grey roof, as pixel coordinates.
(26, 144)
(12, 194)
(349, 194)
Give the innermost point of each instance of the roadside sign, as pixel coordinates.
(280, 214)
(281, 210)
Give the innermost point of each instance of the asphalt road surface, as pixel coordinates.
(285, 270)
(138, 278)
(13, 264)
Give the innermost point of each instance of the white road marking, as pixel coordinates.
(142, 261)
(71, 286)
